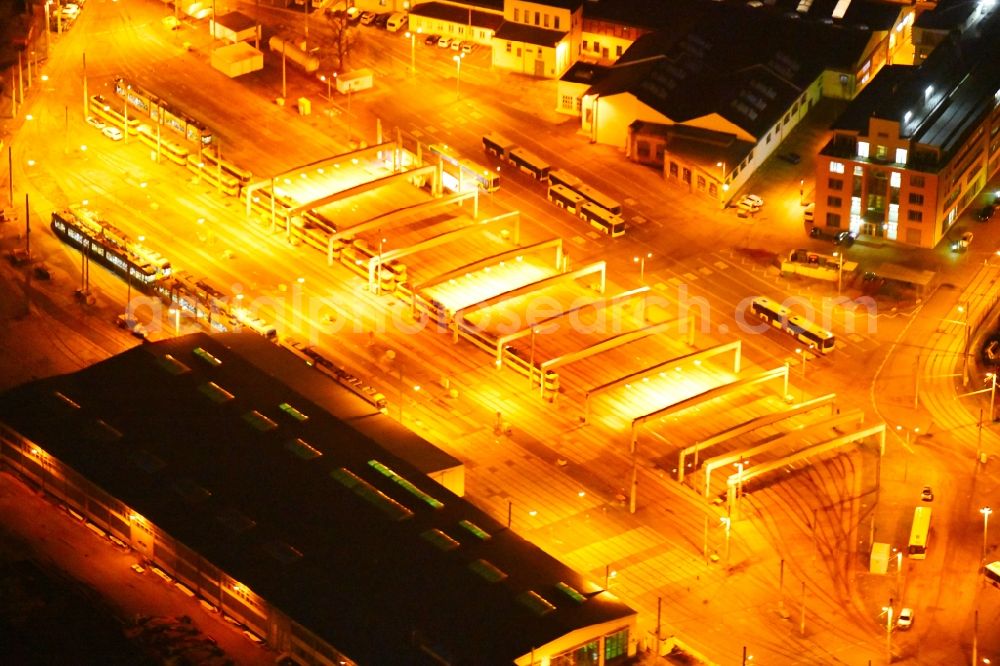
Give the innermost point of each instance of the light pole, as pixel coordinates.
(642, 266)
(805, 357)
(727, 521)
(176, 312)
(888, 629)
(458, 73)
(329, 82)
(378, 276)
(992, 378)
(413, 49)
(986, 511)
(531, 360)
(840, 269)
(723, 185)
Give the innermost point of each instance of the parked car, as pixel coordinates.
(963, 243)
(905, 619)
(791, 158)
(751, 203)
(444, 42)
(112, 133)
(845, 238)
(927, 494)
(95, 122)
(985, 213)
(468, 47)
(367, 18)
(431, 40)
(382, 20)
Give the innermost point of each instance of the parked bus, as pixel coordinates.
(602, 200)
(529, 163)
(992, 573)
(917, 547)
(564, 178)
(602, 220)
(797, 326)
(566, 198)
(497, 145)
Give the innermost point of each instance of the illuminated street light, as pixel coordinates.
(805, 357)
(986, 511)
(413, 49)
(840, 269)
(531, 360)
(642, 266)
(727, 521)
(458, 72)
(329, 83)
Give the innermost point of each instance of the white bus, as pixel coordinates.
(566, 198)
(917, 548)
(497, 145)
(602, 200)
(603, 220)
(797, 326)
(529, 163)
(564, 178)
(992, 573)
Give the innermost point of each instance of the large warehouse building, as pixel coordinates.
(293, 522)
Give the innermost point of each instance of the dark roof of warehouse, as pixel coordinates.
(695, 67)
(236, 21)
(456, 14)
(354, 544)
(963, 77)
(657, 14)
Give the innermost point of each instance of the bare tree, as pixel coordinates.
(342, 37)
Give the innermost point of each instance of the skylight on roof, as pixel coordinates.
(69, 402)
(294, 413)
(841, 8)
(487, 571)
(536, 603)
(571, 592)
(475, 530)
(215, 393)
(441, 540)
(406, 484)
(170, 363)
(300, 448)
(259, 421)
(206, 357)
(804, 6)
(371, 494)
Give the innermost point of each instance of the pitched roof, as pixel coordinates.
(345, 538)
(456, 14)
(529, 34)
(697, 68)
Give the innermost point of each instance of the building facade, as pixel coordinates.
(539, 39)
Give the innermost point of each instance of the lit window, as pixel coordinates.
(901, 156)
(863, 149)
(836, 167)
(895, 179)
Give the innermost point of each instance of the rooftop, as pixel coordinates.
(529, 34)
(456, 14)
(323, 522)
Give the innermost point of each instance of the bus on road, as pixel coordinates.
(604, 221)
(465, 170)
(566, 198)
(529, 163)
(917, 548)
(797, 326)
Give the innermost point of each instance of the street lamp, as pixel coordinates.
(805, 357)
(986, 511)
(991, 377)
(840, 269)
(531, 360)
(413, 49)
(727, 521)
(378, 276)
(642, 265)
(176, 312)
(329, 82)
(458, 72)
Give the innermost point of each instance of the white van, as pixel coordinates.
(396, 22)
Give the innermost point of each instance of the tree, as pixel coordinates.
(342, 37)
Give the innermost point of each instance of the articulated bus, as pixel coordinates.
(566, 198)
(497, 145)
(604, 221)
(595, 197)
(797, 326)
(529, 163)
(917, 547)
(468, 171)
